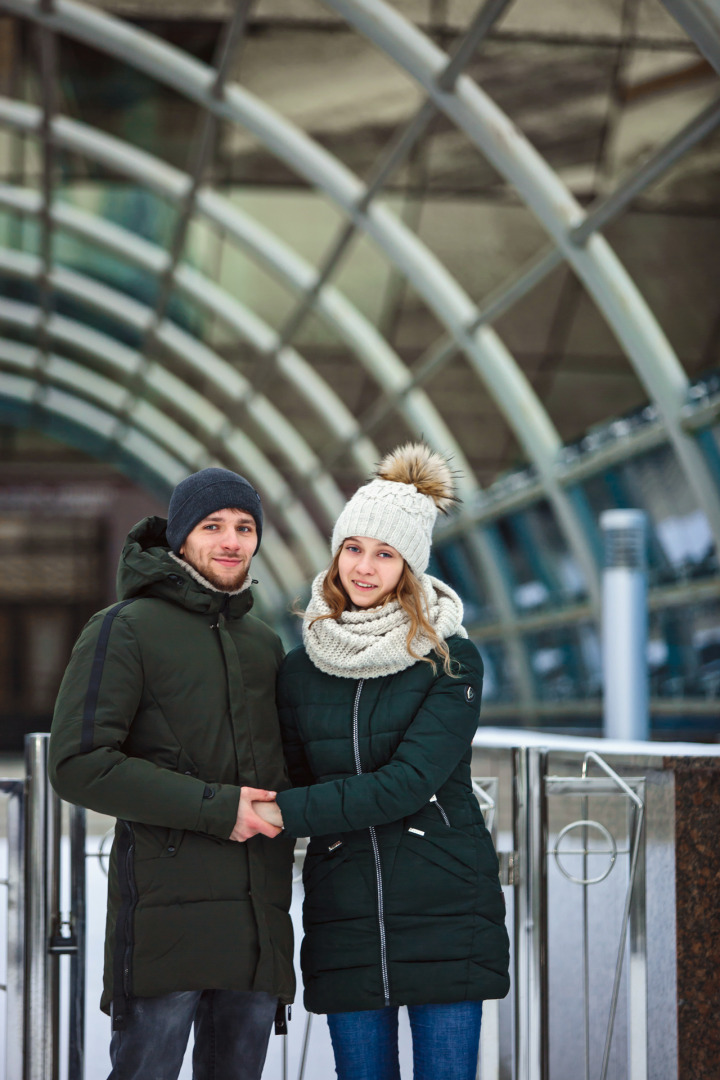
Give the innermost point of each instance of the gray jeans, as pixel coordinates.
(232, 1029)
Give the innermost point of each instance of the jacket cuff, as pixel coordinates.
(218, 810)
(292, 808)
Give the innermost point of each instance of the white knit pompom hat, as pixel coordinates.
(400, 505)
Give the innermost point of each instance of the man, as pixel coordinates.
(166, 720)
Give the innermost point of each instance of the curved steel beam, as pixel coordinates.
(147, 460)
(231, 384)
(376, 356)
(374, 353)
(238, 448)
(503, 378)
(206, 294)
(595, 263)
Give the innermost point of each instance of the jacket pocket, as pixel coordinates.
(454, 852)
(319, 864)
(156, 842)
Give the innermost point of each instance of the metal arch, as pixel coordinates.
(362, 337)
(392, 156)
(318, 394)
(596, 264)
(75, 382)
(512, 392)
(375, 354)
(238, 447)
(22, 391)
(136, 315)
(230, 38)
(701, 21)
(48, 93)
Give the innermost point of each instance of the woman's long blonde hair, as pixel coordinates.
(409, 594)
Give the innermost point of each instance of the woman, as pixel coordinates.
(378, 709)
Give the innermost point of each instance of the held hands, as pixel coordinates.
(249, 821)
(270, 812)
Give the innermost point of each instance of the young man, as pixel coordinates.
(166, 720)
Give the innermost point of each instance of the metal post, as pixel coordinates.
(41, 876)
(637, 975)
(15, 790)
(624, 626)
(530, 828)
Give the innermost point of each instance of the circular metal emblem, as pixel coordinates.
(469, 693)
(610, 850)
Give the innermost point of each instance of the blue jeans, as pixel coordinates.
(232, 1029)
(445, 1041)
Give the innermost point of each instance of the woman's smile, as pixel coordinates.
(369, 570)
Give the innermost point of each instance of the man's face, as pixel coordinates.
(221, 546)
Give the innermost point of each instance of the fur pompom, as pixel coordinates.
(415, 463)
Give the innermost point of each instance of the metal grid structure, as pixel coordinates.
(145, 405)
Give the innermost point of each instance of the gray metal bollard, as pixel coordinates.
(624, 626)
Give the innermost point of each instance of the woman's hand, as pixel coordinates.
(269, 812)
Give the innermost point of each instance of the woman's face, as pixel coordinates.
(369, 570)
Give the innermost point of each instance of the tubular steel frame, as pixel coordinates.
(574, 234)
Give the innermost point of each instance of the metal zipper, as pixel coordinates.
(445, 818)
(376, 853)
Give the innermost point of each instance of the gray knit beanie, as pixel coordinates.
(205, 492)
(400, 505)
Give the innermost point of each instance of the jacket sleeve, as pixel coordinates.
(434, 743)
(98, 699)
(298, 767)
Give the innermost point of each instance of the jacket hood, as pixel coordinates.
(147, 569)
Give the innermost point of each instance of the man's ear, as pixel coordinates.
(181, 552)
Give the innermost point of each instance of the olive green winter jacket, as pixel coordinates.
(166, 709)
(403, 905)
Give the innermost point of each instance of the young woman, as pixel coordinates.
(378, 709)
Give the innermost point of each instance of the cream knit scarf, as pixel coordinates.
(366, 644)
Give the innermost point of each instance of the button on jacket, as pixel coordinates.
(167, 708)
(403, 904)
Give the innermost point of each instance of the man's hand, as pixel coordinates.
(248, 823)
(270, 812)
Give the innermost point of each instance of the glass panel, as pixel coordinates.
(680, 542)
(544, 569)
(451, 562)
(566, 662)
(109, 94)
(684, 651)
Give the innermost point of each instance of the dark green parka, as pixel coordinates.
(403, 905)
(167, 708)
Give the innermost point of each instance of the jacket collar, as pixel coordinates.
(148, 568)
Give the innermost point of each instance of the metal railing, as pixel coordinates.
(38, 934)
(39, 883)
(533, 791)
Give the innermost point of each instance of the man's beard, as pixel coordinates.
(222, 584)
